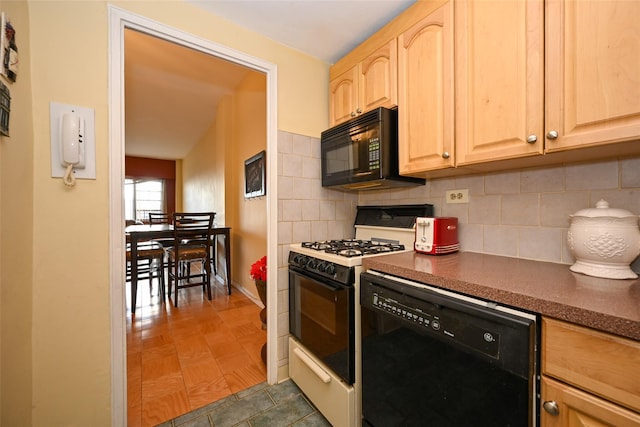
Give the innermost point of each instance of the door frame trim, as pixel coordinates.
(120, 19)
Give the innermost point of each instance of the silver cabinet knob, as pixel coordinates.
(446, 155)
(552, 134)
(531, 139)
(353, 114)
(358, 110)
(551, 407)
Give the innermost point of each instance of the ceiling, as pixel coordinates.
(171, 92)
(324, 29)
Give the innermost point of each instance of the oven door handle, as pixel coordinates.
(320, 373)
(325, 282)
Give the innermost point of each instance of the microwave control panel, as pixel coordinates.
(374, 153)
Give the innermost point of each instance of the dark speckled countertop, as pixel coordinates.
(542, 287)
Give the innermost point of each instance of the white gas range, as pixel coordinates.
(368, 241)
(324, 309)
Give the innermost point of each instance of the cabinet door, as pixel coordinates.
(499, 80)
(425, 94)
(378, 78)
(601, 363)
(343, 97)
(578, 409)
(593, 72)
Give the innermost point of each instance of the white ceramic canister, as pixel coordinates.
(604, 241)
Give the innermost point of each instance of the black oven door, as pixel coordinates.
(322, 319)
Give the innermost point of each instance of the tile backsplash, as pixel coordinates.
(526, 213)
(523, 214)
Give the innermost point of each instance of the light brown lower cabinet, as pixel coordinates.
(589, 378)
(576, 408)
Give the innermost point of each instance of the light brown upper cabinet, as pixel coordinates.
(343, 97)
(489, 85)
(369, 84)
(499, 80)
(510, 103)
(425, 93)
(593, 73)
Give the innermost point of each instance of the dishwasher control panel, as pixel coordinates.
(411, 314)
(502, 336)
(439, 320)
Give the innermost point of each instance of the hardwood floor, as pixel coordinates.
(180, 359)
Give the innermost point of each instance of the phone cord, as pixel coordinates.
(68, 179)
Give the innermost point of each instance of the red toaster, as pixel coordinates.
(437, 235)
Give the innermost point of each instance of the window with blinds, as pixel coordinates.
(141, 197)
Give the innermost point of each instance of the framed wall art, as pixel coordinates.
(255, 184)
(4, 44)
(8, 49)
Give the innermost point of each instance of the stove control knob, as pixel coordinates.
(330, 269)
(321, 266)
(311, 264)
(300, 260)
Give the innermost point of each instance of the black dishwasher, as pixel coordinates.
(435, 358)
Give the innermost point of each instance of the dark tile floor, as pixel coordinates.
(262, 405)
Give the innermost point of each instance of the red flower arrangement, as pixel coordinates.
(259, 269)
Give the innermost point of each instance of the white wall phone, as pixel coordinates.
(72, 143)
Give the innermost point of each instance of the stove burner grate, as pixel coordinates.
(349, 252)
(353, 247)
(317, 246)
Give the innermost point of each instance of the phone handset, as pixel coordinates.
(72, 145)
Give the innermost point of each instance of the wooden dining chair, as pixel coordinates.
(191, 245)
(214, 248)
(150, 266)
(160, 218)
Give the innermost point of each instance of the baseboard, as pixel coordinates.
(242, 289)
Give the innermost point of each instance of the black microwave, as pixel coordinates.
(362, 153)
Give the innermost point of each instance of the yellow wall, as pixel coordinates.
(223, 134)
(203, 177)
(59, 287)
(250, 219)
(213, 172)
(71, 345)
(16, 237)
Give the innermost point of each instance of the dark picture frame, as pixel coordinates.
(255, 184)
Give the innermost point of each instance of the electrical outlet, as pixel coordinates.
(458, 196)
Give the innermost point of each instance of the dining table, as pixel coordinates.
(145, 232)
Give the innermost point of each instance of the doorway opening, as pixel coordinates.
(119, 21)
